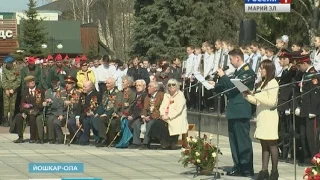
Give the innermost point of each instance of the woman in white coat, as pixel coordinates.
(173, 117)
(267, 120)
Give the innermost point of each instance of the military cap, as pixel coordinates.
(84, 58)
(31, 60)
(302, 59)
(8, 59)
(66, 57)
(54, 78)
(77, 60)
(29, 78)
(58, 57)
(70, 79)
(49, 57)
(284, 53)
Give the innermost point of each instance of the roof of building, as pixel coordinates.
(60, 5)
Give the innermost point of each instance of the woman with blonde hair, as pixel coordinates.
(267, 119)
(173, 117)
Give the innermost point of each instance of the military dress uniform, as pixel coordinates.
(308, 110)
(33, 70)
(285, 94)
(11, 80)
(88, 103)
(73, 96)
(239, 113)
(59, 71)
(31, 107)
(105, 112)
(54, 109)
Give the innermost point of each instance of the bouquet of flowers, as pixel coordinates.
(200, 152)
(313, 173)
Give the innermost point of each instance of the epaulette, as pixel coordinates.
(246, 68)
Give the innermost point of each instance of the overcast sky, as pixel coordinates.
(16, 5)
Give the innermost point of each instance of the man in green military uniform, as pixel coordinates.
(71, 102)
(75, 68)
(105, 111)
(54, 110)
(33, 70)
(239, 113)
(60, 71)
(45, 69)
(10, 83)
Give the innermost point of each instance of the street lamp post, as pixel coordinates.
(52, 40)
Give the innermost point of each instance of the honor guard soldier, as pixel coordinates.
(309, 108)
(33, 70)
(54, 106)
(45, 71)
(105, 112)
(11, 81)
(71, 102)
(285, 94)
(31, 107)
(86, 114)
(59, 70)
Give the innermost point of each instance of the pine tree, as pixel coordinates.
(33, 34)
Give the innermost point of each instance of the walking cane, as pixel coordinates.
(43, 119)
(66, 126)
(118, 134)
(75, 134)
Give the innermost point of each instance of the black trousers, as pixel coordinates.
(114, 128)
(241, 144)
(33, 126)
(308, 133)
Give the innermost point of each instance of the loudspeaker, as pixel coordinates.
(248, 30)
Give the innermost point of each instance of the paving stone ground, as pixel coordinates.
(112, 163)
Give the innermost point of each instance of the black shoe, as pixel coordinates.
(144, 147)
(247, 174)
(40, 141)
(102, 144)
(59, 141)
(32, 141)
(84, 143)
(134, 146)
(263, 175)
(52, 141)
(19, 140)
(274, 175)
(233, 173)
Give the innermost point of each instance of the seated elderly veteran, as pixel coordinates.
(105, 111)
(31, 107)
(123, 106)
(138, 105)
(86, 114)
(53, 105)
(71, 102)
(173, 117)
(150, 113)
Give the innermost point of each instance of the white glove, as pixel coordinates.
(312, 116)
(287, 112)
(297, 111)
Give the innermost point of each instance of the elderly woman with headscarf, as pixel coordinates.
(173, 113)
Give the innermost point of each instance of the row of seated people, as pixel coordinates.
(162, 115)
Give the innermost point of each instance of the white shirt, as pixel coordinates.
(102, 73)
(209, 62)
(190, 64)
(32, 91)
(316, 60)
(120, 74)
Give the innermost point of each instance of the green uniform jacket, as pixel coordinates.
(36, 73)
(124, 104)
(72, 96)
(237, 107)
(56, 107)
(108, 103)
(11, 79)
(45, 77)
(60, 72)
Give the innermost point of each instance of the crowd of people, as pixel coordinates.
(96, 95)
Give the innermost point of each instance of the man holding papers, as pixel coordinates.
(238, 114)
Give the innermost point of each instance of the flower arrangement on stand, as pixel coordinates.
(201, 153)
(313, 173)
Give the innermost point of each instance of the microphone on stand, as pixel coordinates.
(215, 73)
